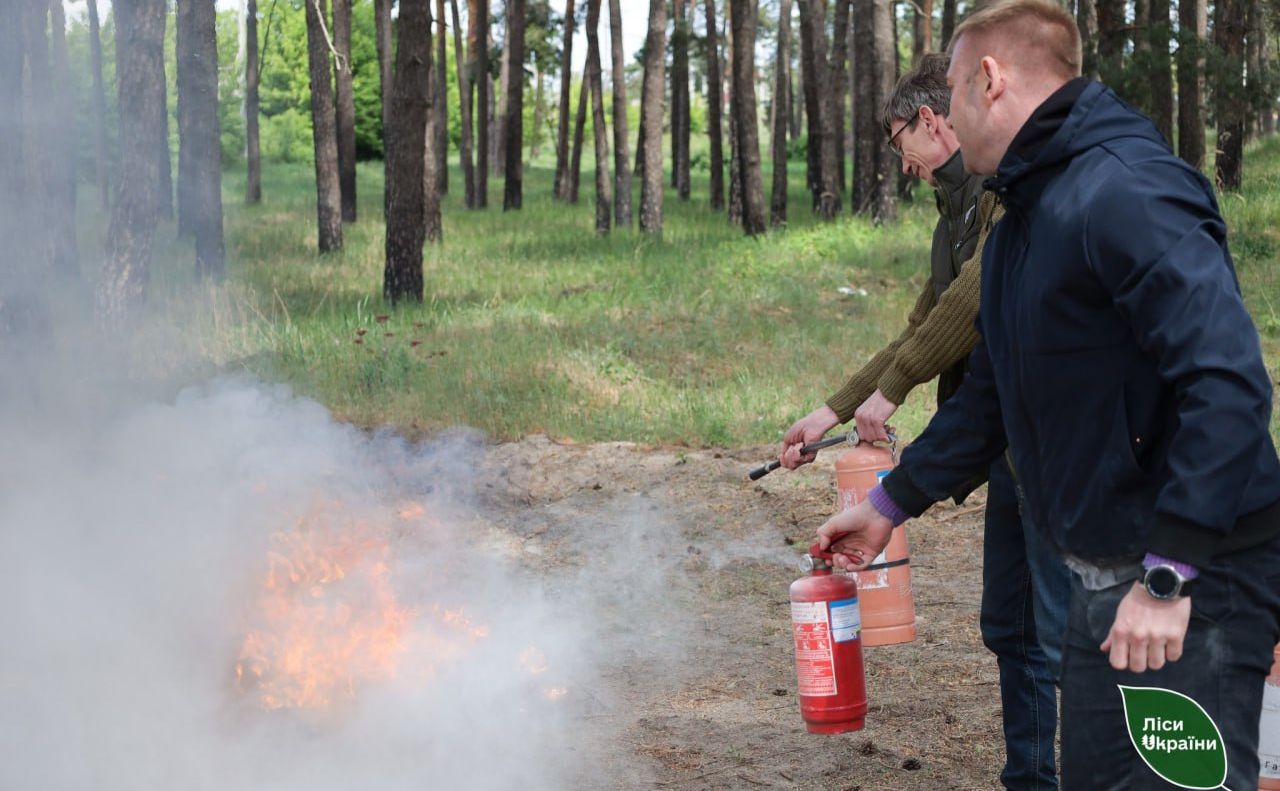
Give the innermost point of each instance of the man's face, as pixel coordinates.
(920, 145)
(970, 109)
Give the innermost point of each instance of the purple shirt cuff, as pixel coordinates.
(1187, 570)
(883, 503)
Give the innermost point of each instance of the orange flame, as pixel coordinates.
(328, 617)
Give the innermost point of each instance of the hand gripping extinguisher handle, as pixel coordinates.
(816, 550)
(813, 447)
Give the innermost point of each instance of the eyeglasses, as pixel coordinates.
(893, 146)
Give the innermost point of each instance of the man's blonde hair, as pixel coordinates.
(1041, 29)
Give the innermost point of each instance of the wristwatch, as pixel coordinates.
(1164, 582)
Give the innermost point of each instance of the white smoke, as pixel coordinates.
(133, 538)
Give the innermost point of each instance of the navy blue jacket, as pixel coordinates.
(1117, 361)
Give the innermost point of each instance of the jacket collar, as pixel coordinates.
(951, 179)
(1043, 139)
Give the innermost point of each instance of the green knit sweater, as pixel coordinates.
(939, 333)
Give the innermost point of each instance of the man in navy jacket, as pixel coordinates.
(1120, 368)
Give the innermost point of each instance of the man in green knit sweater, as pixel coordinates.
(1025, 585)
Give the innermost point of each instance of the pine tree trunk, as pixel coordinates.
(164, 187)
(99, 104)
(478, 53)
(182, 59)
(382, 36)
(252, 79)
(465, 103)
(62, 226)
(200, 134)
(13, 190)
(651, 118)
(948, 22)
(715, 104)
(680, 109)
(1087, 22)
(813, 127)
(561, 190)
(323, 131)
(441, 104)
(514, 133)
(1161, 80)
(409, 115)
(498, 140)
(781, 99)
(621, 159)
(644, 91)
(346, 109)
(1111, 40)
(795, 109)
(604, 189)
(885, 205)
(1193, 24)
(579, 127)
(839, 83)
(826, 188)
(1230, 102)
(139, 26)
(735, 162)
(921, 31)
(744, 17)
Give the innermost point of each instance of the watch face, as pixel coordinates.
(1162, 582)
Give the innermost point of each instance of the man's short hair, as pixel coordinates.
(1041, 26)
(924, 85)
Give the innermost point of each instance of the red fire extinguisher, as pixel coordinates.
(826, 625)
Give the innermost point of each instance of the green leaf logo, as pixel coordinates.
(1175, 736)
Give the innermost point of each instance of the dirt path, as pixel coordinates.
(705, 697)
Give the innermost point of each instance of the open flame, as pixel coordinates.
(328, 621)
(328, 618)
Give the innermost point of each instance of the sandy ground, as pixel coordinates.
(723, 712)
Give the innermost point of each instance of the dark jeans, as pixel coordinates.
(1025, 591)
(1235, 624)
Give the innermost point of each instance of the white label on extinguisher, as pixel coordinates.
(846, 620)
(1269, 731)
(815, 665)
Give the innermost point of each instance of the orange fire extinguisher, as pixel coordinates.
(888, 606)
(826, 625)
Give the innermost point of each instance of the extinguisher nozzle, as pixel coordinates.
(763, 470)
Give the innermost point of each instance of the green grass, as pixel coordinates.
(534, 323)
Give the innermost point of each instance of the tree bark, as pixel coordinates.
(1230, 101)
(839, 83)
(922, 30)
(346, 109)
(200, 178)
(644, 91)
(409, 114)
(621, 158)
(948, 22)
(1111, 40)
(323, 131)
(604, 189)
(579, 127)
(478, 53)
(561, 190)
(781, 99)
(464, 101)
(382, 36)
(164, 187)
(1193, 24)
(826, 187)
(885, 205)
(62, 226)
(813, 127)
(252, 79)
(1161, 79)
(680, 108)
(795, 109)
(651, 118)
(514, 133)
(715, 98)
(183, 47)
(99, 104)
(1087, 22)
(735, 161)
(13, 191)
(139, 27)
(744, 17)
(441, 104)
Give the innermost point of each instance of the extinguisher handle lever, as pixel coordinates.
(816, 550)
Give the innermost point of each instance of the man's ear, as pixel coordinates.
(929, 118)
(993, 78)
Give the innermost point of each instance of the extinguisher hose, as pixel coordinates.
(814, 447)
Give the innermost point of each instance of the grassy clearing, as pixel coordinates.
(534, 323)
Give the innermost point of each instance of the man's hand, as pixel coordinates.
(855, 536)
(809, 428)
(1147, 632)
(871, 416)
